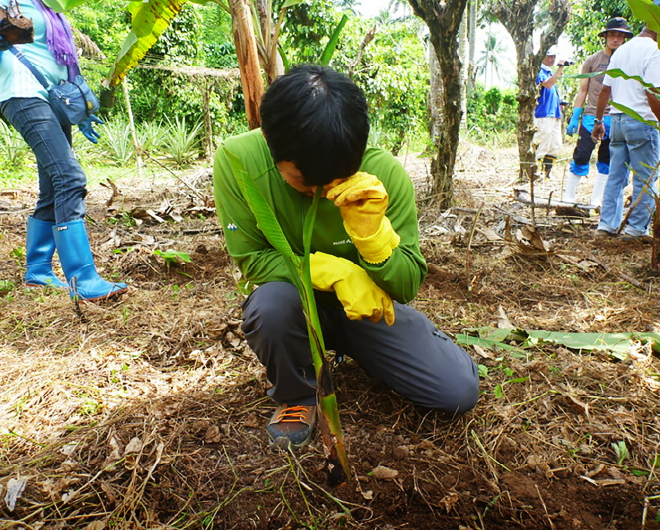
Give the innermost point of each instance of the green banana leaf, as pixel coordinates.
(617, 72)
(60, 6)
(329, 50)
(490, 344)
(648, 12)
(149, 19)
(630, 112)
(617, 344)
(266, 220)
(329, 422)
(614, 72)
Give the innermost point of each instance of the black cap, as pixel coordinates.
(617, 24)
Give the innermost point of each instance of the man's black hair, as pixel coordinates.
(316, 118)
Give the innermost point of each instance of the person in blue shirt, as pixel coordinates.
(547, 116)
(57, 222)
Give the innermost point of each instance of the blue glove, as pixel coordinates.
(86, 128)
(4, 44)
(575, 122)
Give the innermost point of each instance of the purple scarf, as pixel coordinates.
(60, 39)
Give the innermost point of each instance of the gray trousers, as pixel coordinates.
(412, 357)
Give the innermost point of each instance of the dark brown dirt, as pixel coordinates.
(149, 412)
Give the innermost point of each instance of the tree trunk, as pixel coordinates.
(655, 227)
(473, 8)
(517, 16)
(435, 97)
(486, 68)
(355, 66)
(248, 60)
(270, 59)
(443, 20)
(463, 51)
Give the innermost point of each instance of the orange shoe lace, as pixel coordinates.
(292, 414)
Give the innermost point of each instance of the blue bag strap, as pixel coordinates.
(19, 55)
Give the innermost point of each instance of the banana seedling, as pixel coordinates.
(172, 257)
(299, 268)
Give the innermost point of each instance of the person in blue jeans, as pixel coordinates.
(634, 145)
(57, 222)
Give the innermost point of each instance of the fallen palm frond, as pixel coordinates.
(617, 344)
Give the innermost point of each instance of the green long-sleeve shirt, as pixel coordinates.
(400, 275)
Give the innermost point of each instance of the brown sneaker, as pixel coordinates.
(646, 239)
(292, 426)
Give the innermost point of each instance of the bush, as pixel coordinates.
(493, 100)
(492, 112)
(13, 149)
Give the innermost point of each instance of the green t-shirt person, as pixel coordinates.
(365, 258)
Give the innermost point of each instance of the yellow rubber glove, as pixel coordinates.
(362, 200)
(357, 292)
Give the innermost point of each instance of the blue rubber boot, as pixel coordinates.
(39, 250)
(78, 264)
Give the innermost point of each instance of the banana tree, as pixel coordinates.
(299, 269)
(256, 37)
(647, 11)
(149, 18)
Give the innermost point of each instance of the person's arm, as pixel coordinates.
(260, 262)
(550, 82)
(574, 123)
(256, 258)
(402, 273)
(654, 102)
(582, 93)
(652, 75)
(603, 99)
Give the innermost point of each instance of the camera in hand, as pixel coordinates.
(14, 27)
(567, 63)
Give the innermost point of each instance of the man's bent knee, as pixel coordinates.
(271, 306)
(451, 385)
(457, 400)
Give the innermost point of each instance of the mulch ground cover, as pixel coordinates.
(149, 412)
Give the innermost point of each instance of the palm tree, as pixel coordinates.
(491, 57)
(388, 14)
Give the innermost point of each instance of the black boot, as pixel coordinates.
(548, 162)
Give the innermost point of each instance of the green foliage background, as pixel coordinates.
(589, 17)
(491, 113)
(393, 70)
